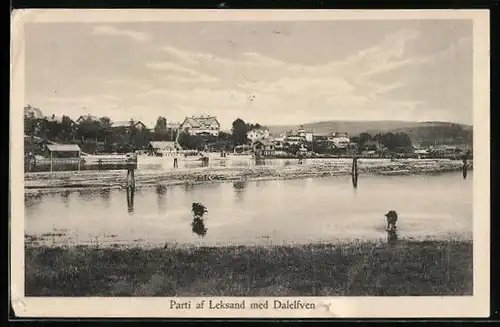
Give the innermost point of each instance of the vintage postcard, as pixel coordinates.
(225, 163)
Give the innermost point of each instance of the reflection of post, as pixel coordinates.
(354, 172)
(130, 199)
(392, 236)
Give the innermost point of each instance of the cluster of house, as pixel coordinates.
(192, 125)
(264, 143)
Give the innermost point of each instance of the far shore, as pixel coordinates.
(72, 180)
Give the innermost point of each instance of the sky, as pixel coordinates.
(270, 73)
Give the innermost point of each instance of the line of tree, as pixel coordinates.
(393, 142)
(97, 135)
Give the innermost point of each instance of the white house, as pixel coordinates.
(207, 125)
(258, 134)
(306, 135)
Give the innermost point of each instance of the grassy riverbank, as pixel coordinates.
(357, 269)
(114, 178)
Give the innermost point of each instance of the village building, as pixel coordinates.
(258, 134)
(279, 143)
(202, 125)
(173, 126)
(159, 148)
(263, 148)
(339, 140)
(129, 124)
(86, 118)
(59, 119)
(306, 135)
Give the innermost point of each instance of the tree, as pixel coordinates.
(363, 139)
(105, 131)
(161, 124)
(30, 124)
(394, 142)
(239, 132)
(67, 128)
(191, 142)
(88, 129)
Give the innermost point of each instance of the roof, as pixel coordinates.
(63, 147)
(258, 130)
(173, 125)
(126, 123)
(58, 119)
(200, 122)
(264, 142)
(164, 145)
(36, 139)
(94, 118)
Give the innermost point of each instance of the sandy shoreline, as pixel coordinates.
(64, 181)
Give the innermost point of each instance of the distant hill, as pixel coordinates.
(423, 133)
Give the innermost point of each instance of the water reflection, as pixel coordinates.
(87, 194)
(130, 199)
(32, 200)
(198, 226)
(105, 194)
(188, 187)
(65, 198)
(239, 188)
(161, 191)
(392, 236)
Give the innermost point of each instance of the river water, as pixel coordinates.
(259, 212)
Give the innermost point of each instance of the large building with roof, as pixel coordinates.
(202, 125)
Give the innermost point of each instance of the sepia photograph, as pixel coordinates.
(251, 166)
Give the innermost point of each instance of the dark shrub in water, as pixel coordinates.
(198, 210)
(198, 225)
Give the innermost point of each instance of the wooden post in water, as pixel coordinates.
(464, 168)
(354, 172)
(51, 159)
(130, 178)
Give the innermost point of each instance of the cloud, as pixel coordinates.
(182, 74)
(110, 30)
(378, 81)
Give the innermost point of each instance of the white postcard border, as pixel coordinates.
(341, 307)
